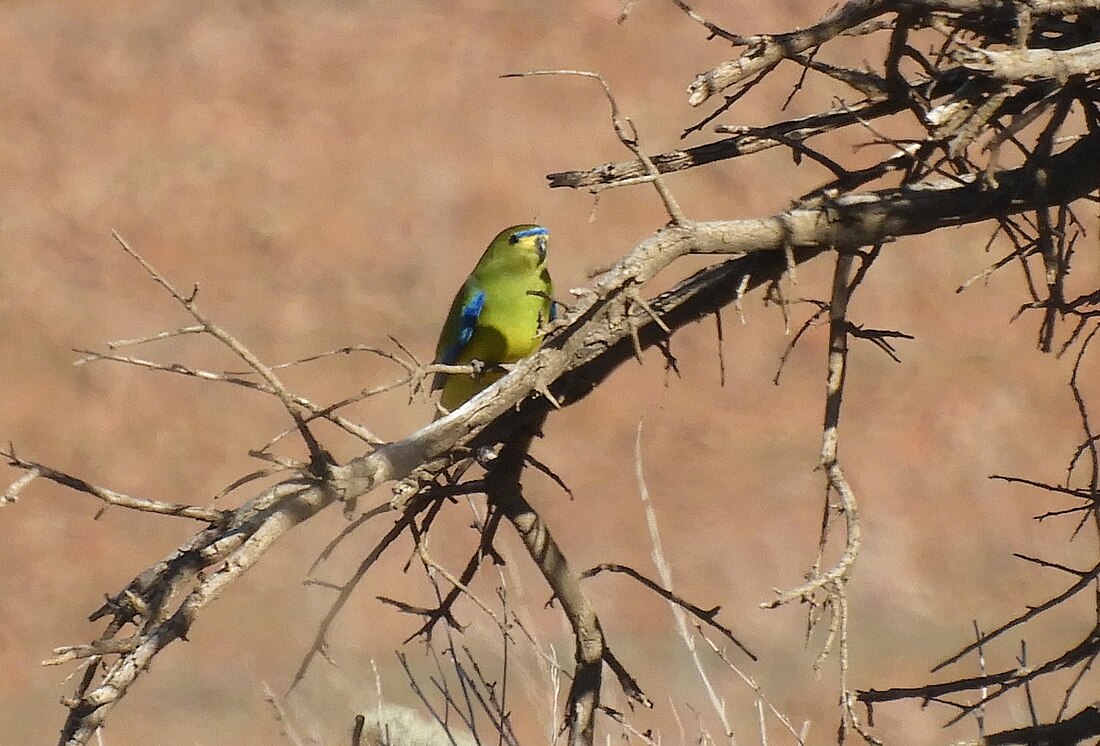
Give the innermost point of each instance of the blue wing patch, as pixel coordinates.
(467, 320)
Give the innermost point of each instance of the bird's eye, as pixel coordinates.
(513, 239)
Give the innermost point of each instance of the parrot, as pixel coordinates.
(497, 314)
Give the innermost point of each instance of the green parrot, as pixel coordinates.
(497, 314)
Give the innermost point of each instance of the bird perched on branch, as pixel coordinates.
(497, 314)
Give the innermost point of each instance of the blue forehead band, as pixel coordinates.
(538, 230)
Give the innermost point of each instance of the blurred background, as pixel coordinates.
(327, 173)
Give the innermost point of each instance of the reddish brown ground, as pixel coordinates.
(327, 172)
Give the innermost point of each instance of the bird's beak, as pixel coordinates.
(540, 247)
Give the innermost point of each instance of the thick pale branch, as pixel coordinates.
(765, 52)
(1020, 64)
(1037, 7)
(768, 51)
(235, 558)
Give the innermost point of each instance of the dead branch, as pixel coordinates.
(110, 497)
(743, 142)
(1015, 65)
(504, 492)
(706, 616)
(765, 52)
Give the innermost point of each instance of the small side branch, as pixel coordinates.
(319, 457)
(706, 616)
(628, 136)
(110, 497)
(836, 481)
(743, 142)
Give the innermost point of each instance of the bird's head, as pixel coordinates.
(519, 248)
